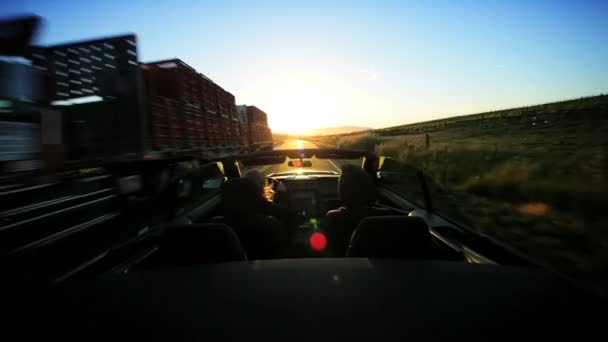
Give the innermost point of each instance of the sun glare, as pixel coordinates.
(302, 101)
(299, 108)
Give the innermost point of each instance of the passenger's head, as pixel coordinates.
(356, 187)
(240, 196)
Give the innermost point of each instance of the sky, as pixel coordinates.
(312, 64)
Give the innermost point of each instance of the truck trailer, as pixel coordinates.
(114, 108)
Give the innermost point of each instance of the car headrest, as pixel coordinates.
(356, 187)
(241, 196)
(394, 236)
(187, 244)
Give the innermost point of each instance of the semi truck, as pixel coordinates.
(107, 106)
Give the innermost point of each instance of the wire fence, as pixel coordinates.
(547, 103)
(455, 117)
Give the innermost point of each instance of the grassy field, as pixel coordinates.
(535, 177)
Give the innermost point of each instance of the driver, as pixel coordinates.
(358, 195)
(268, 206)
(262, 235)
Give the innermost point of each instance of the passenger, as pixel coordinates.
(358, 195)
(243, 206)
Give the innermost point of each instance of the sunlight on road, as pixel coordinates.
(295, 144)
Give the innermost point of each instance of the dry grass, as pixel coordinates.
(485, 170)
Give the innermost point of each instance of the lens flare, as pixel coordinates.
(318, 241)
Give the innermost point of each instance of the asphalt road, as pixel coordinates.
(295, 143)
(317, 164)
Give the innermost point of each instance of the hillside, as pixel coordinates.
(533, 177)
(562, 120)
(335, 130)
(555, 113)
(324, 131)
(545, 115)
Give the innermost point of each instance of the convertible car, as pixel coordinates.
(329, 244)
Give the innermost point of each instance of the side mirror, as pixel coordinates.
(299, 163)
(213, 183)
(389, 177)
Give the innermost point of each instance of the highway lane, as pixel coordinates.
(317, 164)
(296, 143)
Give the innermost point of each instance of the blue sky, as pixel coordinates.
(370, 63)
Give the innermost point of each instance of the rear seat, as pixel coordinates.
(339, 225)
(190, 244)
(393, 236)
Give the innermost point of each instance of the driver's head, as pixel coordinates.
(356, 187)
(262, 186)
(258, 178)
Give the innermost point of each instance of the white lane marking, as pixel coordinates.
(334, 165)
